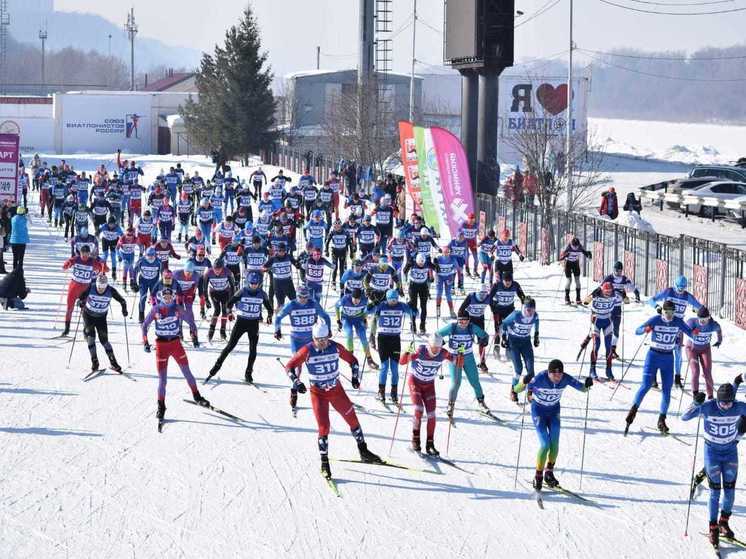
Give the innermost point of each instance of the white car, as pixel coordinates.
(720, 190)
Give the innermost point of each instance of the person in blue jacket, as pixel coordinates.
(546, 389)
(723, 427)
(664, 330)
(516, 340)
(681, 299)
(19, 237)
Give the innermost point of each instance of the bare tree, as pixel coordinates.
(360, 126)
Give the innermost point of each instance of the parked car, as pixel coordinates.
(682, 186)
(724, 172)
(723, 190)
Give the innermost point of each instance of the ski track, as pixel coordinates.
(85, 473)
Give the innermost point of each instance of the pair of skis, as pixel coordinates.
(99, 372)
(162, 421)
(559, 489)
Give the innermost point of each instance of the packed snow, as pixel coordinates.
(86, 474)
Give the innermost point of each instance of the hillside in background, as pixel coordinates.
(88, 32)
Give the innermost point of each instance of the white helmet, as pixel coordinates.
(424, 231)
(420, 259)
(320, 330)
(436, 340)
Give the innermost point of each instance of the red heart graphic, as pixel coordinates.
(553, 99)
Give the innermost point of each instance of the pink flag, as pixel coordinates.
(458, 197)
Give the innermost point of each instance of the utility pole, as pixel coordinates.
(43, 36)
(568, 139)
(131, 28)
(318, 58)
(109, 45)
(414, 60)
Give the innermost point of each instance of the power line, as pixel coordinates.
(640, 10)
(545, 8)
(670, 4)
(664, 76)
(664, 58)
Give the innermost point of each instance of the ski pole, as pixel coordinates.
(328, 288)
(629, 365)
(127, 339)
(520, 439)
(585, 428)
(450, 422)
(691, 481)
(401, 405)
(686, 374)
(72, 346)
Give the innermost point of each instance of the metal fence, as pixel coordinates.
(321, 167)
(715, 271)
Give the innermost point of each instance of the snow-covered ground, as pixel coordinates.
(85, 473)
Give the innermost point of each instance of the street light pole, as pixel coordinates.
(131, 28)
(568, 139)
(414, 60)
(43, 36)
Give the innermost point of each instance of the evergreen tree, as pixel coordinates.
(234, 116)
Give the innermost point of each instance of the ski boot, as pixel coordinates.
(395, 395)
(513, 395)
(422, 331)
(326, 471)
(449, 410)
(161, 409)
(662, 427)
(549, 478)
(592, 372)
(609, 374)
(483, 367)
(200, 400)
(381, 396)
(372, 342)
(214, 370)
(211, 333)
(94, 364)
(496, 347)
(613, 354)
(293, 400)
(115, 366)
(714, 535)
(630, 417)
(538, 479)
(430, 449)
(366, 455)
(223, 335)
(696, 482)
(725, 530)
(567, 297)
(66, 330)
(141, 317)
(578, 301)
(248, 376)
(416, 445)
(371, 362)
(482, 405)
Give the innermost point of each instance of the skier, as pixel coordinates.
(504, 249)
(698, 348)
(110, 235)
(379, 280)
(502, 303)
(486, 255)
(664, 330)
(547, 388)
(681, 299)
(257, 179)
(603, 302)
(351, 316)
(397, 250)
(94, 304)
(321, 357)
(84, 268)
(188, 283)
(146, 231)
(460, 336)
(232, 255)
(470, 230)
(218, 283)
(367, 237)
(516, 335)
(314, 276)
(248, 302)
(304, 312)
(426, 362)
(167, 317)
(341, 242)
(353, 278)
(445, 270)
(474, 305)
(281, 274)
(459, 249)
(387, 323)
(83, 238)
(166, 218)
(145, 275)
(126, 250)
(385, 214)
(418, 276)
(184, 211)
(164, 250)
(724, 426)
(571, 256)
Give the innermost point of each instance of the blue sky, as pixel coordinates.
(291, 29)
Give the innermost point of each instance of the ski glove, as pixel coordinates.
(299, 386)
(677, 381)
(536, 339)
(269, 320)
(588, 382)
(699, 398)
(588, 255)
(504, 341)
(339, 325)
(738, 380)
(717, 344)
(527, 379)
(658, 309)
(208, 304)
(124, 311)
(742, 425)
(521, 257)
(146, 346)
(278, 335)
(355, 377)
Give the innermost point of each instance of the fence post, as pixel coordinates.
(723, 275)
(585, 244)
(616, 242)
(533, 211)
(681, 255)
